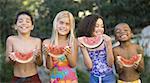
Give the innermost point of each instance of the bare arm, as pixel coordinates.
(49, 62)
(110, 57)
(118, 65)
(86, 57)
(140, 67)
(72, 54)
(9, 49)
(39, 55)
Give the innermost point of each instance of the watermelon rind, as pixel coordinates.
(56, 56)
(130, 65)
(24, 61)
(80, 39)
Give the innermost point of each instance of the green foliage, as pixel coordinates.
(83, 77)
(6, 70)
(8, 10)
(145, 76)
(133, 12)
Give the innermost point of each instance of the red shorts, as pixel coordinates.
(31, 79)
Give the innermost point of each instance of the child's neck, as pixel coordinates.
(24, 36)
(125, 44)
(62, 39)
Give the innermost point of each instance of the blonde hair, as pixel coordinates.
(63, 14)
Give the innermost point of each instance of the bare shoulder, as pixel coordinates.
(116, 50)
(138, 46)
(11, 38)
(37, 40)
(107, 38)
(139, 49)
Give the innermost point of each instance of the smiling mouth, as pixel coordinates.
(63, 30)
(124, 36)
(24, 27)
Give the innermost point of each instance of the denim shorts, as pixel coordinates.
(108, 78)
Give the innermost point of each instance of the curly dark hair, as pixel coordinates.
(87, 25)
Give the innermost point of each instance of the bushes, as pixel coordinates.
(83, 77)
(6, 70)
(145, 76)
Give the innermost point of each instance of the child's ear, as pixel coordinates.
(15, 27)
(32, 27)
(132, 35)
(116, 39)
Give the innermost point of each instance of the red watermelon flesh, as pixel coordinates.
(23, 58)
(90, 42)
(130, 62)
(56, 50)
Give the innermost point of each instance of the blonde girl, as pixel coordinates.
(61, 49)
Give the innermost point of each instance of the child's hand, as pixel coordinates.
(67, 51)
(55, 60)
(36, 52)
(135, 66)
(80, 39)
(12, 56)
(81, 45)
(44, 49)
(120, 64)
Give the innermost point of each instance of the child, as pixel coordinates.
(127, 50)
(99, 60)
(62, 39)
(23, 45)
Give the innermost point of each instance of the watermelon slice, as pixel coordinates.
(91, 42)
(23, 58)
(130, 62)
(56, 51)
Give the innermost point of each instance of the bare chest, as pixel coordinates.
(127, 53)
(24, 46)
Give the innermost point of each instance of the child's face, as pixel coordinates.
(24, 24)
(99, 27)
(63, 26)
(123, 33)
